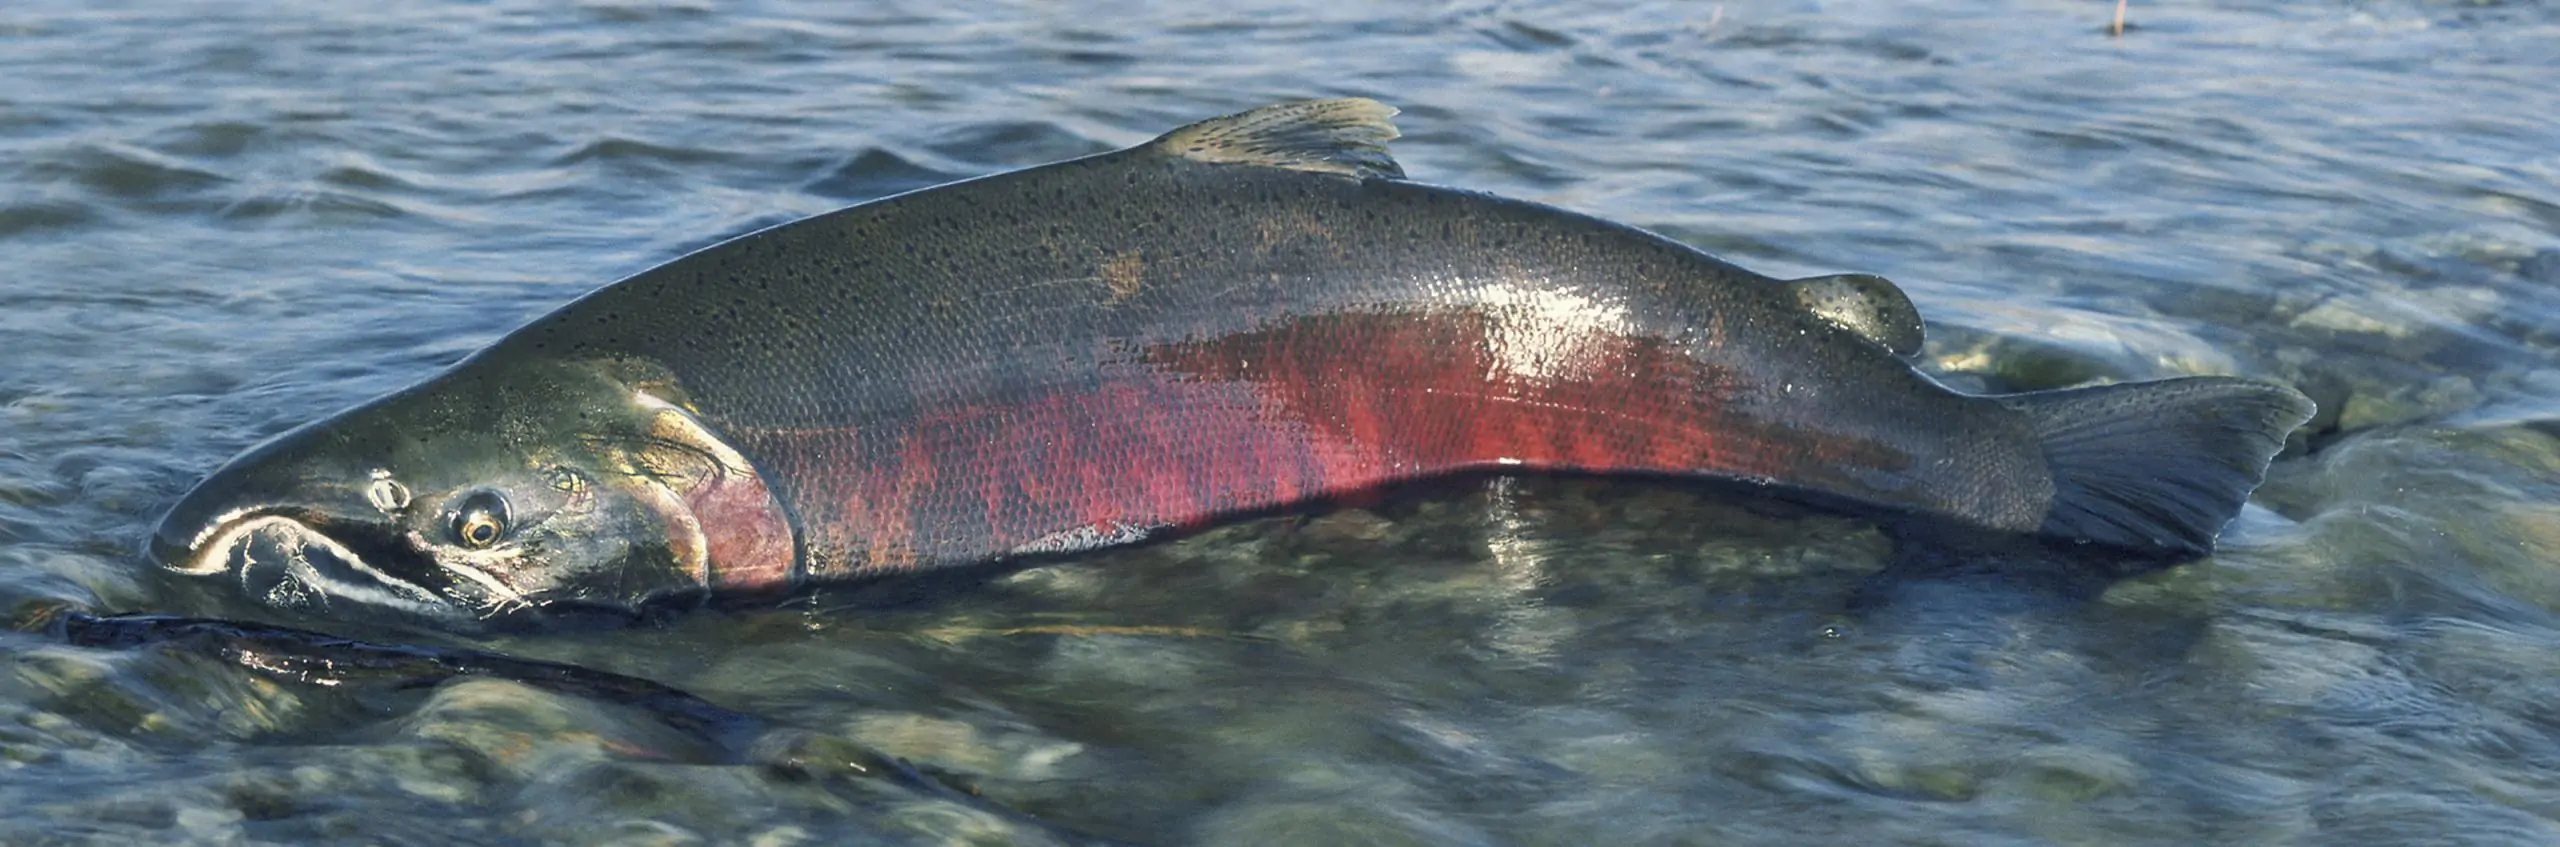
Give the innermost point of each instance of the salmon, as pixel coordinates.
(1250, 314)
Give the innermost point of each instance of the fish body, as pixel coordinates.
(1257, 312)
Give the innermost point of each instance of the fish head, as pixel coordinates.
(487, 498)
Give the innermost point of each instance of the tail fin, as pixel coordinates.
(2157, 467)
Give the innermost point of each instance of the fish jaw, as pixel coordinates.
(291, 528)
(283, 562)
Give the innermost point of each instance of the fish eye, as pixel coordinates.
(480, 520)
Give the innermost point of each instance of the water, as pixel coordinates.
(217, 221)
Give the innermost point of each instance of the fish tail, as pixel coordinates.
(2157, 467)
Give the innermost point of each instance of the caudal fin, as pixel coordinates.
(2157, 467)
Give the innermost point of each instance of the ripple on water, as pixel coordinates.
(224, 171)
(217, 139)
(1011, 144)
(874, 173)
(317, 207)
(145, 178)
(2398, 754)
(636, 153)
(36, 217)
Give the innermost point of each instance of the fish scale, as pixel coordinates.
(891, 484)
(1256, 312)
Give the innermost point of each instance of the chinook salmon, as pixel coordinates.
(1248, 314)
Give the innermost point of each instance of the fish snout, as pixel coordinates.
(173, 544)
(291, 543)
(298, 477)
(199, 533)
(297, 562)
(186, 540)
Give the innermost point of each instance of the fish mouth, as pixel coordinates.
(304, 563)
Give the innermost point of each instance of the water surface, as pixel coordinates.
(219, 221)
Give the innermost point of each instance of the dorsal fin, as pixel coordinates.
(1865, 304)
(1345, 136)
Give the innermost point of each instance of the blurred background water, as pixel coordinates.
(219, 220)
